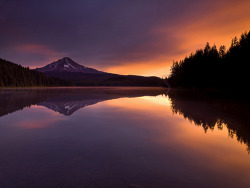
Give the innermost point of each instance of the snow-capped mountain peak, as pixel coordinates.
(66, 65)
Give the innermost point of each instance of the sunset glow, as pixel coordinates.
(141, 38)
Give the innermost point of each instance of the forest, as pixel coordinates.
(214, 68)
(13, 75)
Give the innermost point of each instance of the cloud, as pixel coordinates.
(35, 49)
(143, 34)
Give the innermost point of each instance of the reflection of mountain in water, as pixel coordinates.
(66, 100)
(208, 112)
(67, 108)
(211, 112)
(69, 103)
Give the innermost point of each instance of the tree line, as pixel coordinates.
(214, 68)
(13, 75)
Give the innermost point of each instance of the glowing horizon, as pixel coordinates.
(139, 38)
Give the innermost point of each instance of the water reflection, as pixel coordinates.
(206, 111)
(210, 112)
(82, 138)
(67, 100)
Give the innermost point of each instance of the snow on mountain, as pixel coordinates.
(66, 65)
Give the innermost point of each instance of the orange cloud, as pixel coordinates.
(218, 24)
(47, 54)
(35, 49)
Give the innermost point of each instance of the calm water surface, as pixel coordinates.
(122, 137)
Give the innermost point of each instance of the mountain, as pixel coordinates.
(66, 68)
(67, 65)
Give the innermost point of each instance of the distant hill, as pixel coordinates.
(13, 75)
(80, 75)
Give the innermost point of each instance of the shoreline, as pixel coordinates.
(83, 87)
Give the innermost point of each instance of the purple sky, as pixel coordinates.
(123, 36)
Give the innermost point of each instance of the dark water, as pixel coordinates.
(122, 137)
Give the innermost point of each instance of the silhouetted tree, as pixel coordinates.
(13, 75)
(210, 68)
(222, 51)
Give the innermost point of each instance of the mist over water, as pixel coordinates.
(122, 137)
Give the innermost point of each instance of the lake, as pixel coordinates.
(122, 137)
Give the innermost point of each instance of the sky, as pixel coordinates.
(141, 37)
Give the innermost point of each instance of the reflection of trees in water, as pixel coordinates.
(66, 100)
(210, 112)
(12, 100)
